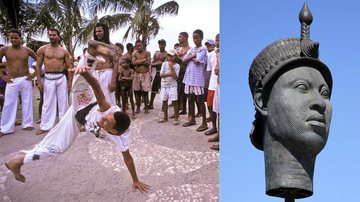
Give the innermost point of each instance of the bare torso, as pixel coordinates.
(181, 51)
(159, 58)
(17, 60)
(141, 67)
(105, 65)
(54, 58)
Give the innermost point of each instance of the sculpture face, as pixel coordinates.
(299, 110)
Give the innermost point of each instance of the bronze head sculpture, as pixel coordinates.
(291, 89)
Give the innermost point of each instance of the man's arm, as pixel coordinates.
(2, 65)
(136, 61)
(39, 63)
(188, 57)
(34, 56)
(68, 66)
(129, 162)
(112, 85)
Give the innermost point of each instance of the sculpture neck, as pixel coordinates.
(287, 174)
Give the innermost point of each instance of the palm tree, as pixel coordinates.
(65, 15)
(142, 19)
(15, 14)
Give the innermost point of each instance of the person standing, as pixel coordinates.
(169, 72)
(91, 109)
(194, 80)
(106, 72)
(181, 52)
(158, 59)
(56, 86)
(141, 60)
(18, 81)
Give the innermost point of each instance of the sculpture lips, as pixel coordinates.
(317, 122)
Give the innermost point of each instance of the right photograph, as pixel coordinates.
(286, 121)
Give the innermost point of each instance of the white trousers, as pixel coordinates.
(104, 77)
(18, 86)
(61, 137)
(55, 93)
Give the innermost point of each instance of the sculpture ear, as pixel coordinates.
(259, 104)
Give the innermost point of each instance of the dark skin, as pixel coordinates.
(104, 106)
(172, 73)
(53, 56)
(192, 97)
(17, 59)
(107, 123)
(126, 75)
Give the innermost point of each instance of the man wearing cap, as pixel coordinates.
(18, 81)
(158, 59)
(291, 90)
(169, 72)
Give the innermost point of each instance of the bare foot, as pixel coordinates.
(216, 138)
(14, 166)
(133, 116)
(147, 111)
(29, 128)
(39, 132)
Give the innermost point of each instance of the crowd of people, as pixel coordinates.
(185, 75)
(101, 84)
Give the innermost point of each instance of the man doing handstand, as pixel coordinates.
(98, 116)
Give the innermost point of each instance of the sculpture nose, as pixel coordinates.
(318, 103)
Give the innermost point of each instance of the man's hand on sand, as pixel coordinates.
(142, 187)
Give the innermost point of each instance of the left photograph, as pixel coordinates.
(109, 100)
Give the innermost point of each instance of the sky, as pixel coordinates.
(192, 15)
(247, 27)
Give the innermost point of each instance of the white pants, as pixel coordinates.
(55, 93)
(18, 86)
(104, 77)
(60, 138)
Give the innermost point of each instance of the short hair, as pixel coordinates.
(106, 32)
(184, 34)
(126, 60)
(138, 41)
(162, 41)
(199, 32)
(54, 30)
(119, 45)
(129, 46)
(122, 122)
(15, 31)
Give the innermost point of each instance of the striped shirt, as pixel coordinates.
(194, 74)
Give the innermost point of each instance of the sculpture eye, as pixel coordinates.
(324, 92)
(301, 86)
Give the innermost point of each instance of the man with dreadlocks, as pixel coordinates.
(105, 73)
(90, 108)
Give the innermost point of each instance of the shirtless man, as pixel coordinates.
(106, 72)
(181, 52)
(55, 86)
(119, 51)
(126, 76)
(141, 60)
(91, 109)
(18, 81)
(158, 59)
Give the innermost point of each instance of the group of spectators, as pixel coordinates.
(186, 76)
